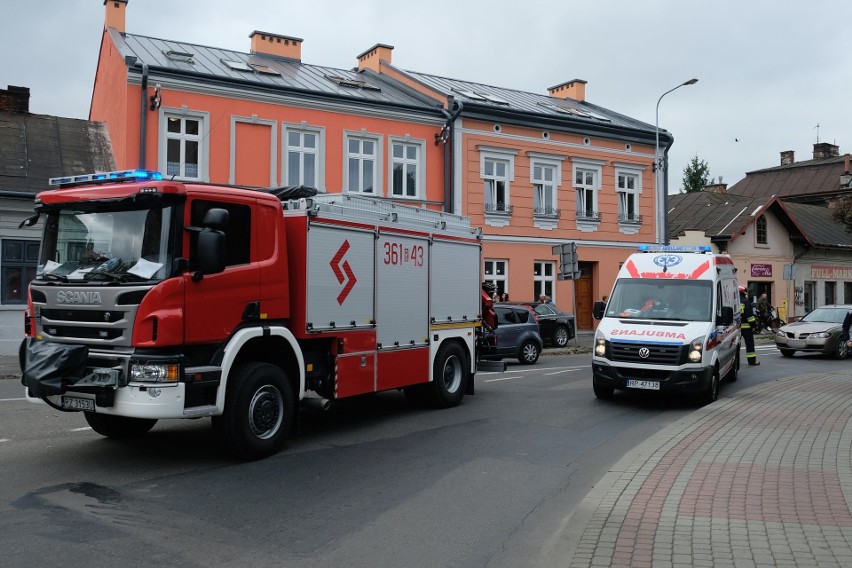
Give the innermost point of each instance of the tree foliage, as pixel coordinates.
(841, 211)
(696, 175)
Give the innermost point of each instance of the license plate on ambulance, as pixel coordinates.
(77, 403)
(647, 385)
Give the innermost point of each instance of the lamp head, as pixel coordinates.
(691, 81)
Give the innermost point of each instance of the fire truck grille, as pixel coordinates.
(94, 316)
(71, 332)
(654, 353)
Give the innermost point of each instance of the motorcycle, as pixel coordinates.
(768, 320)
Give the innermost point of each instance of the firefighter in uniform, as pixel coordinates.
(747, 323)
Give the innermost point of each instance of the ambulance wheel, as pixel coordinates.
(712, 392)
(118, 426)
(450, 374)
(603, 392)
(732, 374)
(529, 353)
(560, 336)
(787, 352)
(259, 412)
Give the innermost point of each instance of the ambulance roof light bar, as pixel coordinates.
(676, 248)
(106, 177)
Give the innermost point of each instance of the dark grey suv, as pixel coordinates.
(517, 335)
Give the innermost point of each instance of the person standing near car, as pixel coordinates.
(747, 323)
(847, 323)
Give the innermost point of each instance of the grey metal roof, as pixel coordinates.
(37, 147)
(570, 112)
(207, 62)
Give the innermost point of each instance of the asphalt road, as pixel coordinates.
(371, 482)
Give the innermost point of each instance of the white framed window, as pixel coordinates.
(497, 272)
(183, 144)
(761, 231)
(544, 278)
(545, 177)
(304, 156)
(628, 185)
(587, 184)
(497, 170)
(407, 168)
(362, 152)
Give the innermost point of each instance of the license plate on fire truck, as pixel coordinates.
(77, 403)
(647, 385)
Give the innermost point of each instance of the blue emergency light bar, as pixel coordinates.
(107, 177)
(675, 248)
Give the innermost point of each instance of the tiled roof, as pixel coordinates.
(816, 222)
(721, 216)
(37, 147)
(808, 178)
(289, 75)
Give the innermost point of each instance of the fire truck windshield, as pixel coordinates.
(108, 245)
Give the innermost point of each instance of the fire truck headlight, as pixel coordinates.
(696, 348)
(154, 372)
(600, 346)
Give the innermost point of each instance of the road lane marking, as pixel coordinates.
(562, 371)
(11, 399)
(503, 379)
(4, 440)
(81, 429)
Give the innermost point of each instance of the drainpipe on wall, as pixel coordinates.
(143, 121)
(666, 190)
(449, 129)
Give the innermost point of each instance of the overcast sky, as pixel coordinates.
(768, 71)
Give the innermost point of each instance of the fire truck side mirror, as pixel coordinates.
(211, 243)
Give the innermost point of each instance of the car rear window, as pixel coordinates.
(522, 315)
(505, 316)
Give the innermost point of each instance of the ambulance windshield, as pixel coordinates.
(679, 300)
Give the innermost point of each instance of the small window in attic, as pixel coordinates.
(264, 69)
(236, 65)
(180, 56)
(354, 83)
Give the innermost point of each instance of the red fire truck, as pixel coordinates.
(158, 299)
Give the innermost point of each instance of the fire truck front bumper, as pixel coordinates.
(693, 380)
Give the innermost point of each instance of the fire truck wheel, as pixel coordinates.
(118, 426)
(450, 374)
(258, 414)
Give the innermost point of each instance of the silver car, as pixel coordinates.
(818, 332)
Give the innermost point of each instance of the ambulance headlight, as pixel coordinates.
(696, 350)
(600, 345)
(151, 372)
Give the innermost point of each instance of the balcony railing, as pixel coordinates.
(630, 218)
(551, 212)
(589, 215)
(498, 209)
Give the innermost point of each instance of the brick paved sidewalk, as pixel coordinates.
(763, 479)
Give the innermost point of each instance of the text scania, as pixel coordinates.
(78, 297)
(649, 333)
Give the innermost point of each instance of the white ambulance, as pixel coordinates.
(671, 324)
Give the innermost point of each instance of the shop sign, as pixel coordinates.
(761, 270)
(823, 272)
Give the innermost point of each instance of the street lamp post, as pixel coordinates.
(661, 168)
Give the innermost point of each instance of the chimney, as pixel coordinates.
(114, 17)
(575, 89)
(15, 99)
(825, 150)
(716, 188)
(373, 58)
(278, 45)
(788, 157)
(846, 176)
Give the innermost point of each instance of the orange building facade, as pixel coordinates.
(533, 171)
